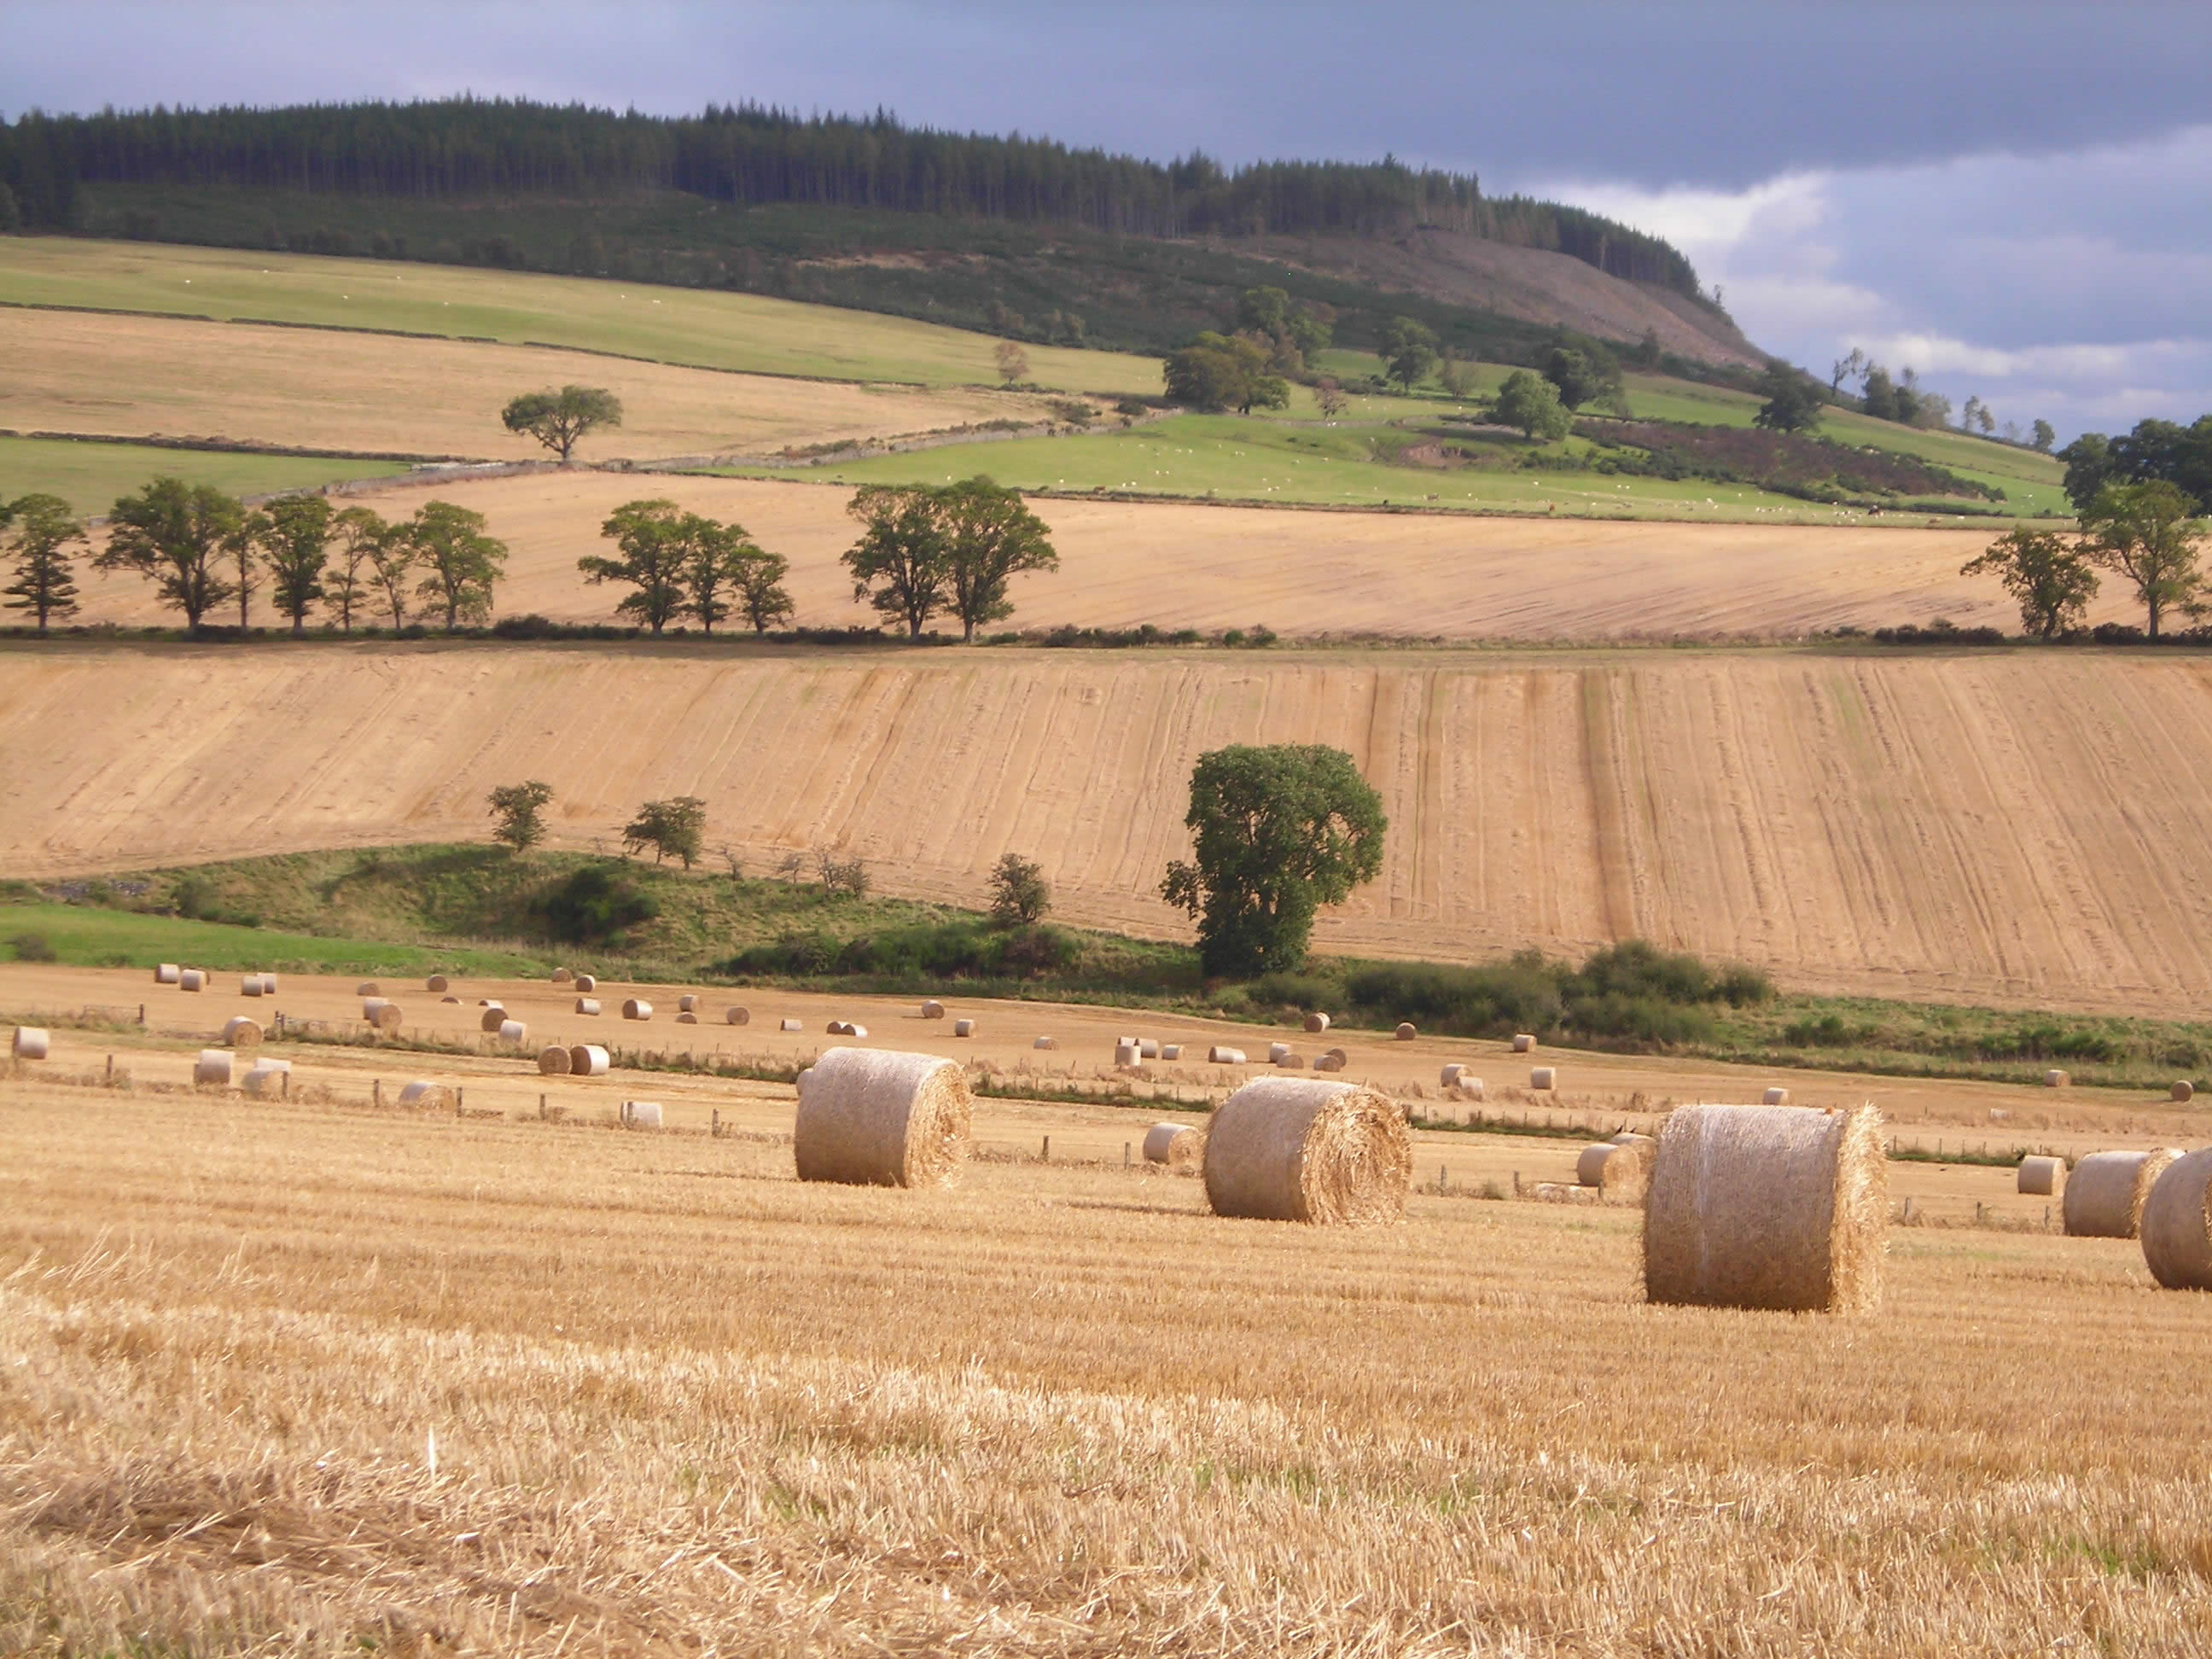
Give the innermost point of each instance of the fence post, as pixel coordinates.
(1125, 1154)
(1046, 1155)
(377, 1089)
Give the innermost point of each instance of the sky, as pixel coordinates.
(2010, 198)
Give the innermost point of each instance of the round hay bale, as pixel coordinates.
(1220, 1055)
(1277, 1052)
(686, 1019)
(455, 1000)
(1148, 1048)
(791, 1025)
(514, 1032)
(166, 974)
(734, 1015)
(387, 1017)
(1174, 1144)
(492, 1018)
(851, 1029)
(1631, 1138)
(1523, 1043)
(1406, 1032)
(32, 1042)
(1044, 1043)
(872, 1117)
(2105, 1192)
(1619, 1170)
(637, 1008)
(687, 1004)
(1543, 1077)
(964, 1028)
(267, 1078)
(834, 1028)
(561, 977)
(2183, 1091)
(368, 987)
(250, 985)
(1170, 1051)
(1292, 1062)
(1776, 1098)
(1450, 1076)
(933, 1009)
(438, 982)
(490, 1002)
(587, 1060)
(269, 985)
(191, 979)
(588, 1007)
(240, 1032)
(1767, 1206)
(212, 1067)
(1125, 1054)
(370, 1006)
(426, 1095)
(1317, 1023)
(2039, 1177)
(2056, 1080)
(553, 1060)
(640, 1114)
(1298, 1149)
(1590, 1164)
(2177, 1224)
(1328, 1062)
(584, 982)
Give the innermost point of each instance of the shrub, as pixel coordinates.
(1020, 896)
(596, 903)
(32, 947)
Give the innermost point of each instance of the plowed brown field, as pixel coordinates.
(1303, 573)
(2006, 828)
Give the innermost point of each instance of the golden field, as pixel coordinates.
(1306, 575)
(311, 1377)
(2008, 827)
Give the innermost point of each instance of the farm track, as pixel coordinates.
(2007, 829)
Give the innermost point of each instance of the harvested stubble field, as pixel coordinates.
(305, 1376)
(1304, 573)
(2005, 828)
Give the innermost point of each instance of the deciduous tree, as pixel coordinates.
(989, 538)
(1408, 351)
(1217, 371)
(175, 534)
(463, 563)
(561, 420)
(1532, 403)
(1793, 402)
(2148, 533)
(293, 533)
(1013, 362)
(350, 575)
(2047, 573)
(2045, 435)
(899, 565)
(656, 541)
(1020, 896)
(674, 829)
(518, 814)
(41, 531)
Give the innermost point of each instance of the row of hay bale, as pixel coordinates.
(2162, 1197)
(580, 1059)
(184, 979)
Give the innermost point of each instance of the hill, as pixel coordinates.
(2008, 828)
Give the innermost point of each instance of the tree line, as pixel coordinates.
(752, 154)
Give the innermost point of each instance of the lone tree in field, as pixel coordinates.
(518, 820)
(2148, 533)
(349, 573)
(2049, 575)
(1793, 402)
(655, 538)
(1221, 371)
(673, 828)
(898, 565)
(449, 543)
(1408, 351)
(560, 420)
(1532, 403)
(1020, 896)
(990, 538)
(175, 534)
(1278, 832)
(294, 536)
(1013, 362)
(43, 531)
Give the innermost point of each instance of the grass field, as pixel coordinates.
(669, 325)
(90, 476)
(82, 933)
(342, 1379)
(2004, 829)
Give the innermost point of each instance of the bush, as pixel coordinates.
(596, 903)
(32, 947)
(1304, 993)
(927, 952)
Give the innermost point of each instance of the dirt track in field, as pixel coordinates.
(1303, 573)
(2014, 828)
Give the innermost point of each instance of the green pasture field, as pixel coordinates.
(83, 936)
(90, 476)
(696, 327)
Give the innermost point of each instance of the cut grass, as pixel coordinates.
(89, 476)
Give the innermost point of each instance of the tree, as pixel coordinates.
(1455, 374)
(2049, 575)
(560, 420)
(1020, 896)
(989, 538)
(1330, 396)
(1408, 351)
(1013, 362)
(1847, 368)
(293, 534)
(518, 814)
(720, 558)
(2045, 435)
(1877, 395)
(449, 542)
(656, 538)
(174, 533)
(1580, 376)
(393, 557)
(899, 564)
(1645, 353)
(2089, 468)
(1793, 402)
(674, 829)
(1217, 371)
(1278, 832)
(1532, 403)
(238, 548)
(44, 531)
(1264, 311)
(2165, 449)
(1970, 412)
(2148, 533)
(761, 592)
(1984, 421)
(349, 571)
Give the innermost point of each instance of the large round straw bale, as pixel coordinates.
(1523, 1043)
(1277, 1052)
(964, 1028)
(269, 985)
(1148, 1048)
(212, 1067)
(387, 1017)
(686, 1019)
(240, 1032)
(734, 1015)
(791, 1025)
(371, 1006)
(1125, 1054)
(1044, 1043)
(191, 979)
(1298, 1149)
(687, 1004)
(2056, 1080)
(1220, 1055)
(250, 985)
(1767, 1206)
(1450, 1076)
(1543, 1077)
(455, 1000)
(438, 982)
(588, 1007)
(586, 982)
(426, 1094)
(1174, 1143)
(553, 1060)
(1777, 1097)
(32, 1042)
(2105, 1192)
(1619, 1170)
(1170, 1051)
(514, 1032)
(166, 974)
(265, 1078)
(1406, 1032)
(2039, 1177)
(561, 977)
(637, 1008)
(641, 1113)
(490, 1002)
(1292, 1062)
(587, 1060)
(1316, 1022)
(878, 1118)
(1331, 1061)
(368, 987)
(492, 1018)
(1631, 1138)
(2177, 1224)
(933, 1009)
(1589, 1165)
(2183, 1090)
